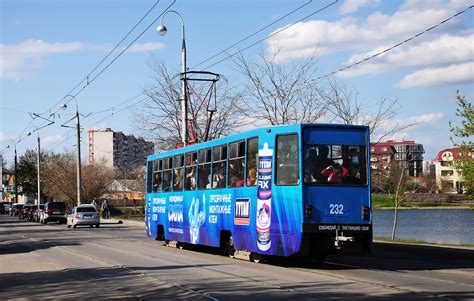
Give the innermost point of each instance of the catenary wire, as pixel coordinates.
(273, 34)
(106, 67)
(394, 46)
(255, 33)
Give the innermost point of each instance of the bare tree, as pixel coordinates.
(160, 117)
(345, 107)
(280, 93)
(60, 179)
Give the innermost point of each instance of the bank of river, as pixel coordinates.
(443, 226)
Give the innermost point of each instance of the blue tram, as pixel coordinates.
(287, 190)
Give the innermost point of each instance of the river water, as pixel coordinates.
(453, 226)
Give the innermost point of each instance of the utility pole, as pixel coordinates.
(38, 202)
(78, 142)
(16, 177)
(79, 174)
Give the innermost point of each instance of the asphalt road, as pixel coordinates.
(118, 261)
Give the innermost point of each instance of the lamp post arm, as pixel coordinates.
(184, 102)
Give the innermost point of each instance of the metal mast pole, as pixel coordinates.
(16, 177)
(79, 175)
(38, 202)
(184, 102)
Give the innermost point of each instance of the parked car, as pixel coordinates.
(15, 209)
(53, 211)
(5, 207)
(84, 214)
(31, 212)
(23, 214)
(37, 213)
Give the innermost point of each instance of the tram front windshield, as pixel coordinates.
(335, 165)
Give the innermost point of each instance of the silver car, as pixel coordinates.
(84, 214)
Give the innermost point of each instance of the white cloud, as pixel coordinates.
(411, 123)
(350, 33)
(459, 73)
(352, 6)
(17, 60)
(446, 49)
(423, 120)
(146, 47)
(47, 140)
(4, 137)
(398, 136)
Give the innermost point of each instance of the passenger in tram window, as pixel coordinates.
(220, 180)
(321, 162)
(335, 173)
(190, 180)
(251, 177)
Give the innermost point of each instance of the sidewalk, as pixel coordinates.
(114, 221)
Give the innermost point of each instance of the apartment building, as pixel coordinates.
(405, 153)
(447, 178)
(117, 150)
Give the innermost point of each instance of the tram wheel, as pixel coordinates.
(230, 250)
(255, 257)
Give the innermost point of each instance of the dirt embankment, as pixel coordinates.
(441, 198)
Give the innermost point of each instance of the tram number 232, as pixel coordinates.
(336, 209)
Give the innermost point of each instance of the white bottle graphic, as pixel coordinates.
(264, 198)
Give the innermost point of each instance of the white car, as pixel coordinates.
(84, 214)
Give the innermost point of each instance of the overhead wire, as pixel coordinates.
(105, 118)
(70, 93)
(255, 33)
(394, 46)
(273, 34)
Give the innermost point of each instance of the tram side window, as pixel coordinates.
(252, 161)
(236, 164)
(219, 166)
(191, 160)
(178, 173)
(167, 174)
(157, 169)
(287, 163)
(149, 178)
(204, 168)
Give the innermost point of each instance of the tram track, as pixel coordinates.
(93, 238)
(154, 278)
(287, 289)
(119, 266)
(397, 273)
(318, 272)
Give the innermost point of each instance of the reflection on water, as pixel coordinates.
(454, 226)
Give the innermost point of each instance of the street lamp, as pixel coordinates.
(78, 135)
(184, 106)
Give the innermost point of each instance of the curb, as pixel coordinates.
(114, 221)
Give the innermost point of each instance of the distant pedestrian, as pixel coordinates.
(107, 211)
(103, 209)
(94, 203)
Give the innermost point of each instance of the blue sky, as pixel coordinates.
(49, 46)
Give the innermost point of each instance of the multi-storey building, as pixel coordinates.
(447, 178)
(117, 150)
(381, 156)
(405, 153)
